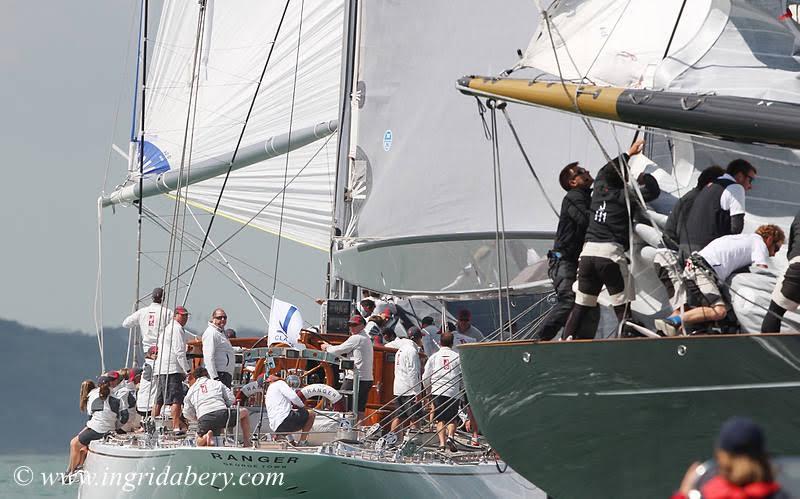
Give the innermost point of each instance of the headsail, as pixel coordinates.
(424, 216)
(300, 89)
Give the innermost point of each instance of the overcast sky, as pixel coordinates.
(66, 92)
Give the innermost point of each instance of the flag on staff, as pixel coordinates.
(285, 323)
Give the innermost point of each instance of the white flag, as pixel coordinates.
(285, 323)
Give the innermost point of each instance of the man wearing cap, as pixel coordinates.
(360, 346)
(367, 307)
(171, 367)
(465, 326)
(214, 407)
(218, 355)
(286, 411)
(151, 319)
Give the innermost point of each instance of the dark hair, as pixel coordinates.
(708, 175)
(158, 295)
(567, 173)
(367, 303)
(446, 339)
(427, 320)
(740, 166)
(389, 333)
(199, 372)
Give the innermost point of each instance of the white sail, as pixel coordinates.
(424, 211)
(236, 40)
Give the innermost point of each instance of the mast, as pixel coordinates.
(168, 181)
(349, 52)
(742, 119)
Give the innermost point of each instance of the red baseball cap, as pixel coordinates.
(356, 320)
(181, 310)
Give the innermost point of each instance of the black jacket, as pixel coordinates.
(610, 217)
(676, 222)
(794, 238)
(572, 223)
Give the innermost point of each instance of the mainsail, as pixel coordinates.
(185, 128)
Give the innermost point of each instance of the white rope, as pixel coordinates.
(98, 293)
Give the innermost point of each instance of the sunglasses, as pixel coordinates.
(221, 317)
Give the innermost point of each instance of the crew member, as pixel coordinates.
(442, 377)
(786, 295)
(465, 327)
(712, 265)
(603, 261)
(151, 319)
(430, 333)
(744, 470)
(675, 227)
(563, 258)
(146, 392)
(286, 411)
(105, 412)
(171, 367)
(218, 356)
(718, 209)
(407, 379)
(360, 346)
(212, 404)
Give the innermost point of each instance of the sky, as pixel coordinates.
(66, 92)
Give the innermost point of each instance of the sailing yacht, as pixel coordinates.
(711, 81)
(293, 119)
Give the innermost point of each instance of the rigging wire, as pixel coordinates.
(238, 144)
(528, 161)
(288, 147)
(498, 232)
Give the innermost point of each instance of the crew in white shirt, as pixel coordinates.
(218, 355)
(146, 393)
(407, 380)
(105, 412)
(442, 377)
(286, 411)
(360, 346)
(712, 265)
(151, 319)
(171, 367)
(214, 407)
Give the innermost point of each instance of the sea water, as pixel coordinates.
(21, 476)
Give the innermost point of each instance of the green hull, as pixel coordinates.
(625, 418)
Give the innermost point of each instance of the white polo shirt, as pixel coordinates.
(728, 253)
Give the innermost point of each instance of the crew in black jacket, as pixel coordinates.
(563, 259)
(718, 209)
(675, 228)
(602, 260)
(786, 295)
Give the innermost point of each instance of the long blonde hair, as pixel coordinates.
(86, 387)
(744, 469)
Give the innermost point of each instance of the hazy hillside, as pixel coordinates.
(42, 373)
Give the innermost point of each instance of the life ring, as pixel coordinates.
(326, 392)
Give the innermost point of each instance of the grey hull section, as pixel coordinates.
(625, 418)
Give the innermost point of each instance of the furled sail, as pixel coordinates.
(424, 216)
(300, 90)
